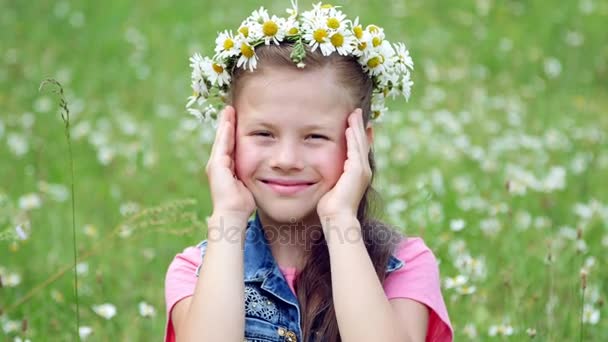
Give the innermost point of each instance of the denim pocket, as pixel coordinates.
(257, 330)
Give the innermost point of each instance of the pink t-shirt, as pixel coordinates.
(417, 280)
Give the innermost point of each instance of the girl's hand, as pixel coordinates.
(343, 199)
(228, 193)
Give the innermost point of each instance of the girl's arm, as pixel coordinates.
(216, 311)
(362, 310)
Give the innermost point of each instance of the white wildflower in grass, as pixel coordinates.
(146, 310)
(90, 230)
(490, 226)
(105, 310)
(10, 326)
(11, 279)
(43, 104)
(591, 315)
(581, 246)
(523, 220)
(57, 192)
(30, 201)
(466, 289)
(457, 225)
(555, 180)
(531, 332)
(129, 208)
(84, 331)
(22, 231)
(105, 155)
(574, 38)
(82, 268)
(17, 144)
(501, 330)
(458, 281)
(57, 296)
(470, 331)
(553, 67)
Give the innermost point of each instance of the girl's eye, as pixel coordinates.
(318, 136)
(263, 134)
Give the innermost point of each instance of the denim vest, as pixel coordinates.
(272, 312)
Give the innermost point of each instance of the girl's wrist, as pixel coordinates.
(226, 228)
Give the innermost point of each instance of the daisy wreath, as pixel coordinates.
(324, 27)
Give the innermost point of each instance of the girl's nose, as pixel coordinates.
(286, 157)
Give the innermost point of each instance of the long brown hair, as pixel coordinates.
(313, 283)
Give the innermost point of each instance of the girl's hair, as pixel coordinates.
(313, 284)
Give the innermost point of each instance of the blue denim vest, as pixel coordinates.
(272, 312)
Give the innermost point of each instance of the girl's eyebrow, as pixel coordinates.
(309, 127)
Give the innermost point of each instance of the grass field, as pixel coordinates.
(499, 160)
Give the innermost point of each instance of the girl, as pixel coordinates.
(293, 147)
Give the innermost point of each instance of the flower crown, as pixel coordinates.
(325, 28)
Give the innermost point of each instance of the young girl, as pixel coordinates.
(293, 147)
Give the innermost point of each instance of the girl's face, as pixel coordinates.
(290, 144)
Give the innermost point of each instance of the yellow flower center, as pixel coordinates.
(333, 23)
(217, 68)
(327, 6)
(376, 41)
(228, 44)
(246, 50)
(270, 28)
(319, 35)
(358, 31)
(375, 114)
(244, 30)
(374, 62)
(362, 46)
(373, 28)
(293, 31)
(337, 40)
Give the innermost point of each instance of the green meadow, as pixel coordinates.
(499, 160)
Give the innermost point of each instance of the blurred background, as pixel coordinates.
(499, 160)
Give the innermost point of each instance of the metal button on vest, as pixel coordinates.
(291, 336)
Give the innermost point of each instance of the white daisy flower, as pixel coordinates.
(226, 45)
(378, 106)
(406, 86)
(590, 315)
(375, 35)
(11, 280)
(343, 41)
(317, 34)
(373, 63)
(105, 310)
(146, 310)
(215, 72)
(84, 331)
(292, 27)
(402, 58)
(272, 28)
(30, 201)
(248, 58)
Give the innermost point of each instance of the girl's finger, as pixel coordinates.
(218, 134)
(363, 136)
(356, 134)
(352, 152)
